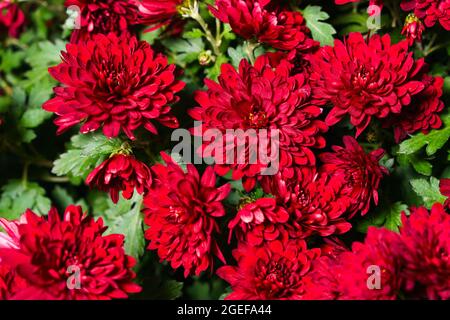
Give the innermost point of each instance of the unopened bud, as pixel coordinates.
(413, 29)
(206, 57)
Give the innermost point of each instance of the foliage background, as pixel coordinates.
(39, 169)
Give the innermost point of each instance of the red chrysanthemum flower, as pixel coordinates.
(272, 272)
(260, 221)
(101, 16)
(12, 19)
(422, 114)
(181, 212)
(360, 172)
(121, 173)
(157, 13)
(431, 11)
(365, 79)
(10, 282)
(266, 22)
(444, 187)
(426, 253)
(117, 83)
(53, 254)
(413, 29)
(371, 271)
(263, 97)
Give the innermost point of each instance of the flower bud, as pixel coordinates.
(413, 29)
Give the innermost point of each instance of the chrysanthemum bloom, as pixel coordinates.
(260, 221)
(10, 282)
(121, 173)
(444, 187)
(365, 79)
(263, 97)
(181, 212)
(423, 112)
(426, 252)
(101, 16)
(430, 11)
(117, 83)
(371, 271)
(12, 19)
(413, 29)
(157, 13)
(319, 207)
(360, 172)
(266, 22)
(271, 272)
(67, 258)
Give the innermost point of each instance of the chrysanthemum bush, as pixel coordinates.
(99, 202)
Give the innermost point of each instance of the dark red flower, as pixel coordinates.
(117, 83)
(157, 13)
(444, 187)
(121, 173)
(426, 253)
(263, 97)
(259, 221)
(10, 282)
(53, 254)
(101, 16)
(365, 79)
(360, 172)
(12, 19)
(423, 112)
(413, 29)
(430, 11)
(181, 211)
(272, 272)
(266, 22)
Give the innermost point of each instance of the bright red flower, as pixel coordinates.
(102, 16)
(426, 253)
(360, 172)
(10, 282)
(12, 19)
(117, 83)
(259, 221)
(121, 173)
(263, 97)
(272, 272)
(430, 11)
(52, 253)
(182, 210)
(266, 22)
(444, 187)
(157, 13)
(423, 113)
(365, 79)
(413, 29)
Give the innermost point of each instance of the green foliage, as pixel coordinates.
(388, 217)
(185, 51)
(321, 31)
(84, 153)
(428, 190)
(18, 196)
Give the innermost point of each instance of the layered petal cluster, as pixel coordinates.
(181, 211)
(117, 83)
(65, 259)
(365, 79)
(272, 272)
(360, 172)
(430, 11)
(423, 112)
(12, 19)
(10, 282)
(261, 101)
(260, 221)
(101, 17)
(265, 21)
(413, 263)
(121, 173)
(413, 29)
(157, 13)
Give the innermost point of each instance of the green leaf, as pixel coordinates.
(193, 34)
(321, 31)
(64, 199)
(428, 190)
(421, 166)
(388, 217)
(214, 72)
(236, 55)
(433, 141)
(18, 196)
(85, 152)
(185, 50)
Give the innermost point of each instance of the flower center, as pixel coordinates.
(361, 77)
(257, 119)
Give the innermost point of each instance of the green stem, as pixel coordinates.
(215, 42)
(249, 48)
